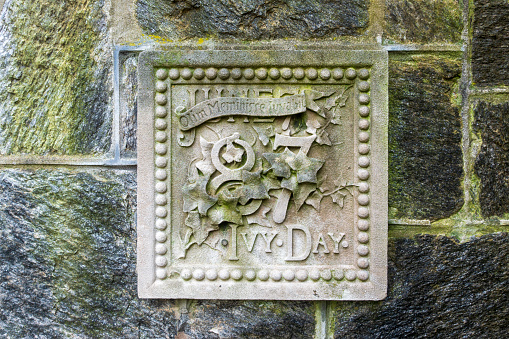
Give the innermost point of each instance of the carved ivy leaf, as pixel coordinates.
(232, 153)
(226, 209)
(322, 138)
(338, 99)
(311, 96)
(201, 226)
(343, 98)
(253, 187)
(205, 165)
(305, 167)
(297, 123)
(264, 134)
(196, 196)
(270, 182)
(338, 198)
(312, 123)
(336, 120)
(315, 200)
(336, 117)
(222, 213)
(290, 183)
(331, 102)
(259, 217)
(302, 193)
(279, 162)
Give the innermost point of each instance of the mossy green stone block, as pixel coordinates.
(492, 163)
(423, 21)
(490, 43)
(55, 78)
(425, 157)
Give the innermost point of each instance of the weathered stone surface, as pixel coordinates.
(425, 158)
(55, 71)
(424, 21)
(67, 268)
(438, 288)
(490, 43)
(492, 164)
(129, 104)
(67, 258)
(252, 20)
(250, 319)
(271, 185)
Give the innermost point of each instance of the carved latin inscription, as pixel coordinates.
(264, 176)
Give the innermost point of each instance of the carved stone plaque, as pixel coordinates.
(262, 175)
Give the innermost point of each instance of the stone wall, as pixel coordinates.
(68, 166)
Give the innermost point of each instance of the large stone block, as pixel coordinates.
(492, 163)
(253, 20)
(490, 43)
(250, 319)
(67, 268)
(55, 78)
(438, 288)
(425, 158)
(423, 21)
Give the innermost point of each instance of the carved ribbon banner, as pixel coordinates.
(226, 106)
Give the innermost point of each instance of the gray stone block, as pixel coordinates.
(67, 257)
(490, 43)
(253, 20)
(492, 163)
(438, 288)
(128, 103)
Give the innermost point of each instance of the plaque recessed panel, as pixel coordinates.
(262, 175)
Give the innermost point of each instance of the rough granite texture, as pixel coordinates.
(425, 157)
(55, 78)
(423, 21)
(492, 163)
(490, 43)
(68, 268)
(252, 19)
(129, 105)
(438, 288)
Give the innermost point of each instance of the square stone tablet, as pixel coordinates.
(262, 175)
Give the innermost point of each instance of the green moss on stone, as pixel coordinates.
(490, 41)
(425, 157)
(492, 163)
(424, 21)
(54, 96)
